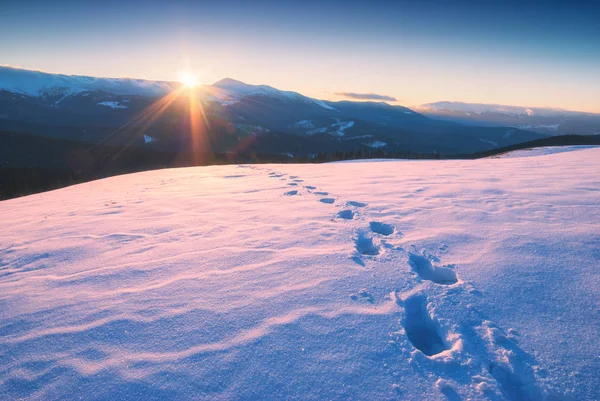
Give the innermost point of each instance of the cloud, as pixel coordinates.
(367, 96)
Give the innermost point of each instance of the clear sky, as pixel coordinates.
(528, 53)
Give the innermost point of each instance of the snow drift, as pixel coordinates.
(371, 280)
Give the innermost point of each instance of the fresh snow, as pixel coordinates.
(408, 280)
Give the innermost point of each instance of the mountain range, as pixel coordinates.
(260, 118)
(547, 121)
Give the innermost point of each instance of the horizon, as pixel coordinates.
(527, 54)
(423, 106)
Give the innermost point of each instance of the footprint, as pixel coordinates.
(365, 245)
(293, 176)
(421, 330)
(356, 204)
(298, 180)
(292, 184)
(363, 295)
(322, 193)
(291, 193)
(381, 228)
(425, 270)
(327, 200)
(346, 214)
(310, 187)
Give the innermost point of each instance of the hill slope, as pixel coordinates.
(359, 280)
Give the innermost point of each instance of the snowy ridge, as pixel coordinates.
(233, 91)
(480, 108)
(336, 281)
(227, 91)
(37, 83)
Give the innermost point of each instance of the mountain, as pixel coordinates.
(41, 84)
(542, 120)
(235, 115)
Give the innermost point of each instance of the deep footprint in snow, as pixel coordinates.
(346, 214)
(291, 193)
(363, 295)
(421, 330)
(309, 187)
(356, 204)
(425, 270)
(327, 200)
(292, 184)
(365, 245)
(322, 193)
(381, 228)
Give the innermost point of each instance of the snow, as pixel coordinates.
(344, 125)
(551, 127)
(304, 124)
(481, 108)
(377, 144)
(149, 139)
(316, 131)
(324, 105)
(37, 83)
(410, 280)
(340, 126)
(113, 105)
(545, 150)
(226, 92)
(229, 91)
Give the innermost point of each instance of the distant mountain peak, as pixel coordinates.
(229, 82)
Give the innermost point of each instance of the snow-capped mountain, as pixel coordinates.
(481, 108)
(38, 83)
(272, 120)
(232, 91)
(539, 119)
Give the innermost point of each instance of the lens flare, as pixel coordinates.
(188, 80)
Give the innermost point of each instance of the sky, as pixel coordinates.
(524, 53)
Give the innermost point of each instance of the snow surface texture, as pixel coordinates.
(405, 280)
(545, 150)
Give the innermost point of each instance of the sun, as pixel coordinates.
(188, 80)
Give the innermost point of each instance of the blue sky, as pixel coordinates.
(531, 53)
